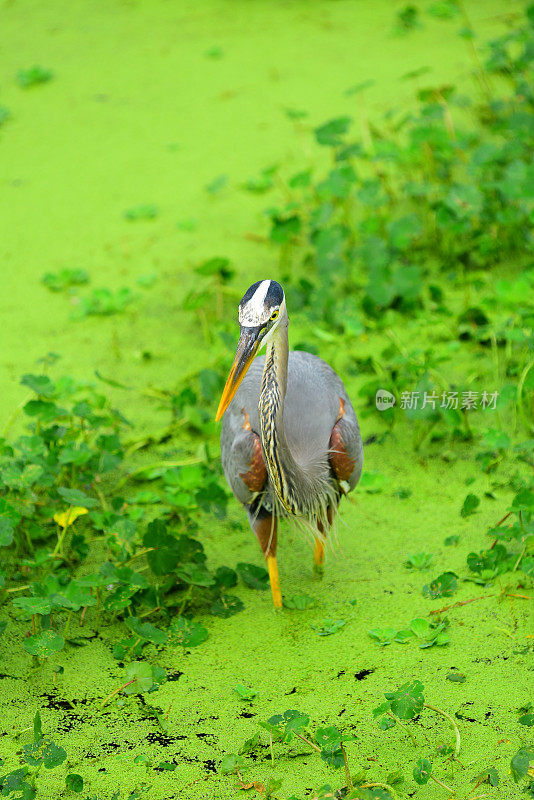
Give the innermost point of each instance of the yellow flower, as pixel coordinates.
(66, 518)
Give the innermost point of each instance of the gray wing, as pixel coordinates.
(239, 452)
(311, 411)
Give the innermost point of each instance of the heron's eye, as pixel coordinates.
(274, 314)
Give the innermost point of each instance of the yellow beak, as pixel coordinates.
(247, 347)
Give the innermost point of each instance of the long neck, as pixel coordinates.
(285, 474)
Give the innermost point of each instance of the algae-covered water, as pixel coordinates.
(175, 105)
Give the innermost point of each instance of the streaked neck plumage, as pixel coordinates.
(292, 484)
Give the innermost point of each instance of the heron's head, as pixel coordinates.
(261, 311)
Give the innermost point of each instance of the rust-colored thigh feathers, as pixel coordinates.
(342, 463)
(256, 476)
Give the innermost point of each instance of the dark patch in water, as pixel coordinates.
(174, 676)
(339, 674)
(189, 759)
(113, 745)
(465, 719)
(362, 675)
(57, 703)
(157, 737)
(62, 704)
(68, 723)
(292, 691)
(247, 714)
(211, 765)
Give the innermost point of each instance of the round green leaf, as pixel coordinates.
(421, 772)
(328, 738)
(53, 756)
(226, 606)
(253, 576)
(444, 585)
(187, 633)
(142, 676)
(407, 701)
(44, 644)
(74, 782)
(33, 605)
(145, 630)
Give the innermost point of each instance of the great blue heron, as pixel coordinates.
(290, 441)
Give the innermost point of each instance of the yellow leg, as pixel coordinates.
(318, 556)
(272, 566)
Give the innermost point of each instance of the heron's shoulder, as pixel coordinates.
(310, 374)
(310, 363)
(302, 356)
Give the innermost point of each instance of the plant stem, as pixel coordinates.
(310, 744)
(106, 699)
(519, 558)
(406, 728)
(347, 770)
(58, 549)
(442, 784)
(66, 630)
(97, 607)
(503, 519)
(133, 646)
(11, 419)
(271, 747)
(35, 774)
(460, 603)
(148, 613)
(481, 73)
(84, 609)
(101, 497)
(139, 553)
(477, 784)
(520, 385)
(453, 723)
(185, 600)
(29, 542)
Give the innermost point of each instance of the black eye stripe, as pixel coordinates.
(275, 294)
